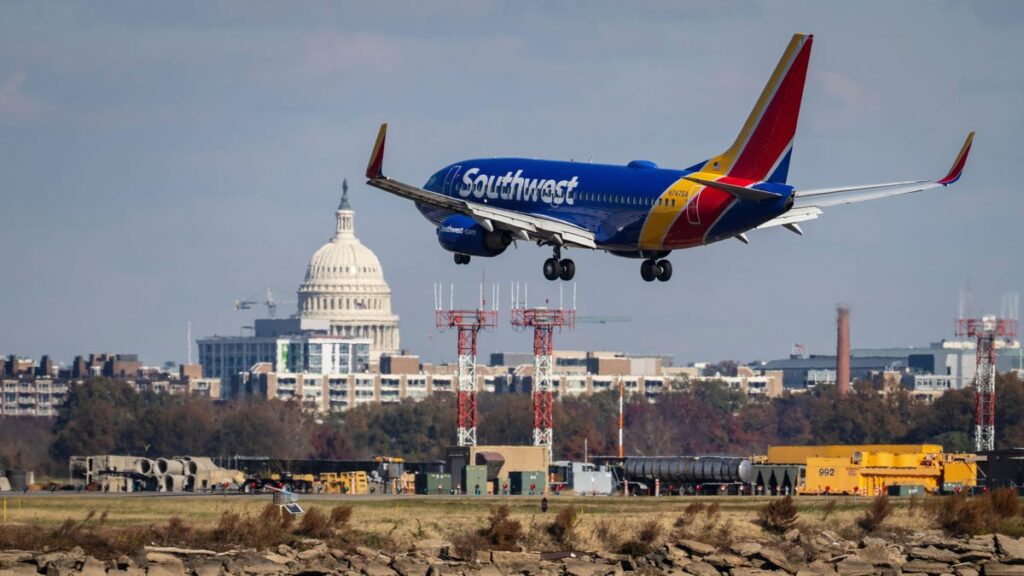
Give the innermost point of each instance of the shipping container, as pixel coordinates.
(474, 480)
(527, 483)
(907, 490)
(429, 483)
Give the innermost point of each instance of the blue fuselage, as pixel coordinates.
(628, 208)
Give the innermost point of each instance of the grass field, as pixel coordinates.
(405, 520)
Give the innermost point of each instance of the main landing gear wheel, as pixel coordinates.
(651, 270)
(568, 269)
(462, 258)
(664, 270)
(552, 269)
(556, 268)
(648, 270)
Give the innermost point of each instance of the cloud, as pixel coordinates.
(17, 107)
(846, 92)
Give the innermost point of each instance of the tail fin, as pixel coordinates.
(761, 150)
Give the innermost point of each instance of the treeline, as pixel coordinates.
(105, 416)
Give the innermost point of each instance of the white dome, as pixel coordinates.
(345, 284)
(339, 261)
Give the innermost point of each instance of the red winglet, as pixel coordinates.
(374, 168)
(958, 164)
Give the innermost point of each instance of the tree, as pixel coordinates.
(94, 417)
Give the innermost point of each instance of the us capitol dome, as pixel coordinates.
(345, 285)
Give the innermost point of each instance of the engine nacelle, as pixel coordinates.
(461, 234)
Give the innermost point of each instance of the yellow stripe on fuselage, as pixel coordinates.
(664, 214)
(722, 163)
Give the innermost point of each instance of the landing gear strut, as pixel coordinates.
(556, 268)
(652, 270)
(462, 258)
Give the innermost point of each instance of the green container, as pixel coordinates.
(474, 477)
(527, 483)
(429, 483)
(906, 490)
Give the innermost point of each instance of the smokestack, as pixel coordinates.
(843, 350)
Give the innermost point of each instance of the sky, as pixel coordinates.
(159, 161)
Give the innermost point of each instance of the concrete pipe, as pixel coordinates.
(145, 466)
(165, 466)
(194, 466)
(174, 483)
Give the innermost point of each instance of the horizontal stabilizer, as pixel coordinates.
(739, 192)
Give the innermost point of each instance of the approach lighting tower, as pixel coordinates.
(544, 321)
(468, 323)
(990, 332)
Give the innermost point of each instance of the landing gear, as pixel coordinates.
(568, 270)
(664, 270)
(462, 258)
(552, 269)
(556, 268)
(652, 270)
(649, 270)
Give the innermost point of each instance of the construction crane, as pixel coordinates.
(270, 303)
(602, 319)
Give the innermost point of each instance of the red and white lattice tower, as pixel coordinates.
(544, 321)
(991, 332)
(468, 323)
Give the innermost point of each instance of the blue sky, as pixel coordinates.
(159, 161)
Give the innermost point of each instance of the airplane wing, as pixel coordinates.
(809, 203)
(525, 226)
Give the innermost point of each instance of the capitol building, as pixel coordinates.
(343, 323)
(345, 285)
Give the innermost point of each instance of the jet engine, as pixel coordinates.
(463, 235)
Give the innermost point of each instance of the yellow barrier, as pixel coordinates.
(345, 482)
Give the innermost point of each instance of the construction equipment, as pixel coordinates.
(270, 303)
(602, 319)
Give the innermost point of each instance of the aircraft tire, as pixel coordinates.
(552, 269)
(462, 259)
(664, 270)
(648, 270)
(568, 270)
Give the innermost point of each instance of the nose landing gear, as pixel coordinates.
(556, 268)
(651, 270)
(462, 258)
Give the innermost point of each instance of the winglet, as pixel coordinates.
(374, 168)
(958, 164)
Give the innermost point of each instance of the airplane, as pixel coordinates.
(481, 206)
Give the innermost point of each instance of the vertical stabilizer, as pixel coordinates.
(762, 149)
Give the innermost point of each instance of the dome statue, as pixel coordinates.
(345, 285)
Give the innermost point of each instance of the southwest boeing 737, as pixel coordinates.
(639, 210)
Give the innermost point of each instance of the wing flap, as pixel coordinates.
(792, 217)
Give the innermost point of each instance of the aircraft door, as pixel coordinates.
(693, 210)
(450, 179)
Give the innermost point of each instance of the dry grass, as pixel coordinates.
(564, 530)
(880, 509)
(645, 539)
(604, 524)
(779, 515)
(502, 532)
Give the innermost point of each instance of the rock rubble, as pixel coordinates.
(806, 554)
